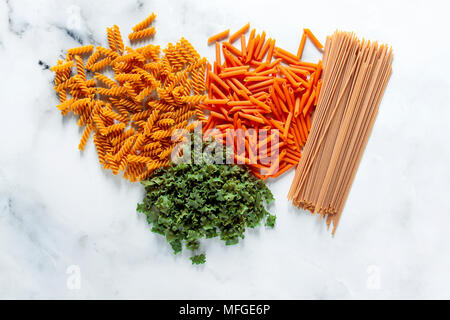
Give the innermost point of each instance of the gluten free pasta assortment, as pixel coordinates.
(132, 99)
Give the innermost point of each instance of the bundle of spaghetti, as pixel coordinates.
(356, 73)
(261, 87)
(132, 108)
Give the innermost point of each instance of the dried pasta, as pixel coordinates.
(118, 39)
(219, 36)
(276, 96)
(355, 76)
(145, 23)
(142, 34)
(132, 114)
(80, 50)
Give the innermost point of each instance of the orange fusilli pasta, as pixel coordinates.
(132, 114)
(142, 34)
(145, 23)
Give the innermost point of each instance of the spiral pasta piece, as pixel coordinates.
(63, 67)
(150, 121)
(80, 67)
(62, 95)
(142, 34)
(92, 59)
(132, 106)
(100, 144)
(127, 77)
(118, 39)
(84, 137)
(190, 49)
(80, 50)
(108, 112)
(193, 99)
(125, 148)
(158, 135)
(106, 80)
(113, 91)
(145, 23)
(100, 64)
(140, 159)
(111, 39)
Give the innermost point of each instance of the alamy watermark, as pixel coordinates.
(74, 17)
(373, 281)
(73, 281)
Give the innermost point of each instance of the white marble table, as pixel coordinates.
(62, 216)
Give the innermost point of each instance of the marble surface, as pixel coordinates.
(69, 230)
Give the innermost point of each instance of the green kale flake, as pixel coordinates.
(198, 259)
(189, 201)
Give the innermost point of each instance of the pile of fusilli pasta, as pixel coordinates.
(132, 115)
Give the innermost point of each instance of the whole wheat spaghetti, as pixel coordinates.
(355, 76)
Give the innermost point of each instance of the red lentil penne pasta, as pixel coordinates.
(219, 36)
(239, 33)
(216, 101)
(314, 40)
(246, 93)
